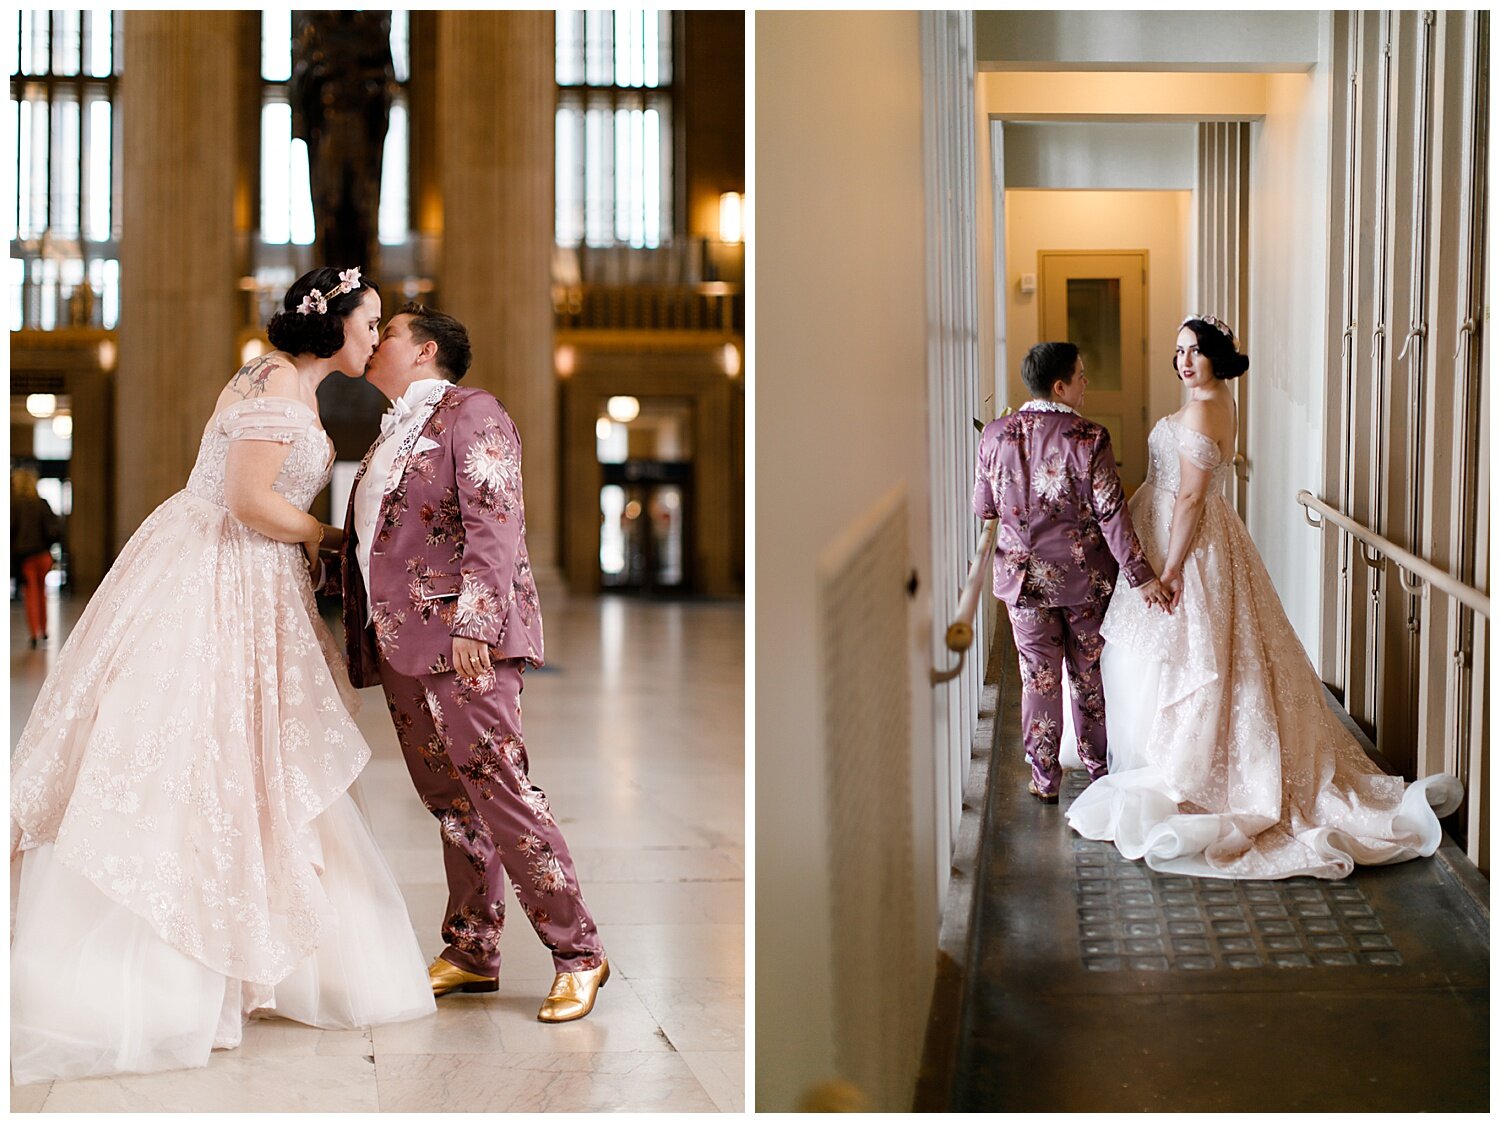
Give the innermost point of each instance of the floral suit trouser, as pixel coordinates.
(1046, 638)
(462, 741)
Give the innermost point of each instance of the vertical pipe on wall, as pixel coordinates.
(1347, 351)
(1466, 376)
(1418, 688)
(1375, 481)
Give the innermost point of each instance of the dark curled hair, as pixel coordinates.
(1217, 346)
(316, 333)
(428, 325)
(1047, 363)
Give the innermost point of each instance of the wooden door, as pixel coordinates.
(1098, 301)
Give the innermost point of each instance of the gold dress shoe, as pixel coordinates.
(446, 978)
(573, 994)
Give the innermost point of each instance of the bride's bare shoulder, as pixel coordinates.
(1214, 419)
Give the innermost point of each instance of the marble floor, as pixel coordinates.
(636, 732)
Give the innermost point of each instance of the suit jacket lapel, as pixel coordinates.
(409, 441)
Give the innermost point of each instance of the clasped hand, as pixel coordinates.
(1163, 592)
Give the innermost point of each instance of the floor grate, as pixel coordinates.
(1132, 918)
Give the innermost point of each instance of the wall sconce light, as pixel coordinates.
(41, 405)
(731, 217)
(623, 409)
(253, 348)
(62, 425)
(108, 353)
(730, 358)
(565, 358)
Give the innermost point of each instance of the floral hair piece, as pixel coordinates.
(1213, 322)
(316, 302)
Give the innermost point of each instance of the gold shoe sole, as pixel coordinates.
(485, 986)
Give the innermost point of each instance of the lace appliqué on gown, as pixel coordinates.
(1225, 759)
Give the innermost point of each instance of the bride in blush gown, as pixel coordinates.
(185, 845)
(1224, 758)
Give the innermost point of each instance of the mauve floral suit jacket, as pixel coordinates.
(1049, 476)
(449, 556)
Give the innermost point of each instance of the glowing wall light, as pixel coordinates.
(623, 409)
(731, 217)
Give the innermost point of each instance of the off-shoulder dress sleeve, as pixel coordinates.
(1201, 450)
(281, 420)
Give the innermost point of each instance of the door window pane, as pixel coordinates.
(1094, 325)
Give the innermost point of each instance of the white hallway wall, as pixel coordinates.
(839, 367)
(1289, 323)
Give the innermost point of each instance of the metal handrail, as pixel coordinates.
(961, 630)
(1414, 572)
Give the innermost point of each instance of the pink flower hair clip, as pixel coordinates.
(1213, 322)
(316, 302)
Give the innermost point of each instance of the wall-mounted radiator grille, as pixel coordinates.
(864, 637)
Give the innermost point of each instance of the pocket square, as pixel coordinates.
(425, 444)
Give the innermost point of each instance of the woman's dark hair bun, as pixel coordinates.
(1217, 345)
(1235, 364)
(315, 333)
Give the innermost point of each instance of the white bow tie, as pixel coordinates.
(394, 416)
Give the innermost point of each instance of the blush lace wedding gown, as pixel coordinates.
(188, 842)
(1224, 759)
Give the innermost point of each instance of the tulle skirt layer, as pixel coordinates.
(96, 991)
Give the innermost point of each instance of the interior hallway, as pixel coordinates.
(1097, 984)
(636, 734)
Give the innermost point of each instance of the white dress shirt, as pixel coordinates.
(371, 489)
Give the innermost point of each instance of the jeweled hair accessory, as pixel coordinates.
(1213, 322)
(316, 302)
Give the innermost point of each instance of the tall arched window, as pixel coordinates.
(286, 213)
(64, 227)
(614, 128)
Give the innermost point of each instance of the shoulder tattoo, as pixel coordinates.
(251, 379)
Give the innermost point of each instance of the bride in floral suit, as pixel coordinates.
(181, 814)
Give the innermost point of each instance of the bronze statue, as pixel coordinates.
(342, 85)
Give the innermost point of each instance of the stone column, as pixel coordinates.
(177, 268)
(496, 95)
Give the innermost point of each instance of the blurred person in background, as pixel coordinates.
(34, 530)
